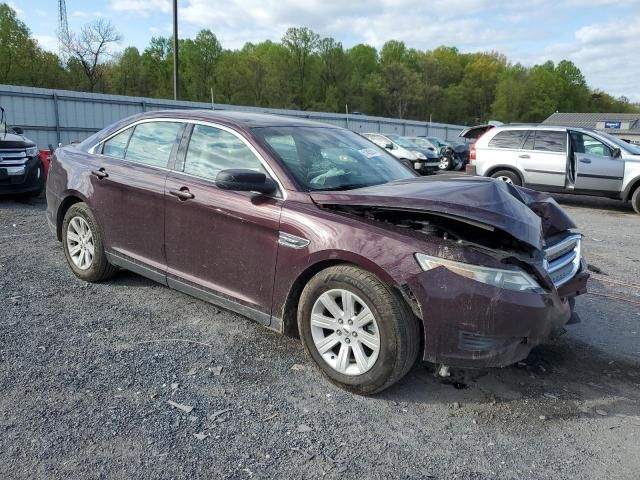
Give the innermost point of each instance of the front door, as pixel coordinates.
(221, 243)
(596, 168)
(128, 176)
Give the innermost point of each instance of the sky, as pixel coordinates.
(602, 37)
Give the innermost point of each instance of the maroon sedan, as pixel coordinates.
(313, 230)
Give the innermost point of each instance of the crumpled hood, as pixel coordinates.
(525, 214)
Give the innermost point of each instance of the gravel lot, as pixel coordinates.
(87, 371)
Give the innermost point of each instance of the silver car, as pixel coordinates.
(559, 159)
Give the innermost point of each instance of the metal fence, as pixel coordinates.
(62, 116)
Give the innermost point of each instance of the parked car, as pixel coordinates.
(309, 229)
(454, 156)
(422, 142)
(559, 159)
(405, 152)
(21, 169)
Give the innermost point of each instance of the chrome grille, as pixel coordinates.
(562, 259)
(13, 156)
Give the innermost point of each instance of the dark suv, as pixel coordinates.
(21, 168)
(313, 230)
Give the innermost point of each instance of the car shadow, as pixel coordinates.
(562, 375)
(600, 203)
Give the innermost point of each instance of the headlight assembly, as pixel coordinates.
(420, 155)
(32, 151)
(517, 280)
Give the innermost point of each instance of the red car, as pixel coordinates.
(313, 230)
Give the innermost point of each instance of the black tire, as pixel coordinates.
(100, 269)
(512, 176)
(635, 200)
(444, 164)
(398, 327)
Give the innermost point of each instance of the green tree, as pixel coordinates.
(302, 43)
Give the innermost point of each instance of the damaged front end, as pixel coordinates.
(486, 294)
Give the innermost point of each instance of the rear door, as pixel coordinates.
(503, 150)
(220, 242)
(544, 158)
(596, 168)
(128, 178)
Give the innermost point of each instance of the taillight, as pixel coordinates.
(472, 153)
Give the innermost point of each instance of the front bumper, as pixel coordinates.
(470, 324)
(25, 178)
(426, 167)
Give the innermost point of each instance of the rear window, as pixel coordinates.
(508, 139)
(550, 141)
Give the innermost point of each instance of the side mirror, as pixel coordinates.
(616, 153)
(244, 180)
(18, 130)
(388, 146)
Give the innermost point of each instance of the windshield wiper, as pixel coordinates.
(348, 186)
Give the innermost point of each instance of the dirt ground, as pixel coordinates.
(87, 371)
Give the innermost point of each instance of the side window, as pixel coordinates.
(528, 143)
(582, 143)
(116, 145)
(548, 141)
(211, 150)
(508, 139)
(153, 142)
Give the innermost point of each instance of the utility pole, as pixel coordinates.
(176, 86)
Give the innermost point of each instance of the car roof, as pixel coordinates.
(538, 126)
(239, 118)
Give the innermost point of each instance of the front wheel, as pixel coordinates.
(635, 200)
(360, 332)
(445, 163)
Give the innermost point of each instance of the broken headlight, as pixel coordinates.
(517, 280)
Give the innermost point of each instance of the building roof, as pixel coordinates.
(617, 123)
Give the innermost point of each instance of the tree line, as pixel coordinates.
(307, 72)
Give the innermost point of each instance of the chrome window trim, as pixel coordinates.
(267, 167)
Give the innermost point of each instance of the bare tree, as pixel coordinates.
(91, 47)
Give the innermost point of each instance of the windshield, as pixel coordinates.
(632, 149)
(332, 159)
(403, 142)
(435, 141)
(422, 142)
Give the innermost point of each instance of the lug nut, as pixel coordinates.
(347, 340)
(340, 321)
(338, 332)
(355, 334)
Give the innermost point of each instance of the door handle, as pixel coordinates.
(100, 173)
(584, 160)
(524, 156)
(182, 194)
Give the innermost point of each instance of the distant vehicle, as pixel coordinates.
(312, 230)
(435, 141)
(559, 159)
(423, 142)
(412, 156)
(21, 168)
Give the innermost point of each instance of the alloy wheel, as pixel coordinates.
(444, 164)
(345, 332)
(505, 179)
(80, 243)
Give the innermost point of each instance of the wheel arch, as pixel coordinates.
(71, 198)
(511, 168)
(323, 260)
(632, 187)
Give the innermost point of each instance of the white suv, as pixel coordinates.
(559, 159)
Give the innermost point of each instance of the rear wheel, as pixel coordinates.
(361, 334)
(635, 200)
(83, 245)
(507, 176)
